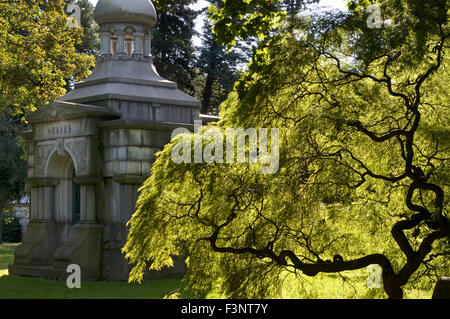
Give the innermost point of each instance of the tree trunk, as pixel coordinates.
(392, 286)
(207, 93)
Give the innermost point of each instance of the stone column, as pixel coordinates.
(88, 209)
(138, 44)
(41, 203)
(34, 203)
(120, 43)
(42, 198)
(49, 207)
(148, 45)
(83, 204)
(105, 43)
(128, 195)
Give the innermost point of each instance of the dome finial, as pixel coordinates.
(125, 28)
(129, 11)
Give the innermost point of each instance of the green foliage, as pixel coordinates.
(11, 229)
(90, 42)
(13, 167)
(354, 5)
(242, 19)
(37, 54)
(219, 68)
(172, 49)
(364, 161)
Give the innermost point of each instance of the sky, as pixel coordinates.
(323, 4)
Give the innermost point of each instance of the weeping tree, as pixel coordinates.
(363, 167)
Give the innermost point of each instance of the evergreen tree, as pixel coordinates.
(172, 47)
(219, 68)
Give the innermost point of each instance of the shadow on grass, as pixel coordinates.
(16, 287)
(6, 255)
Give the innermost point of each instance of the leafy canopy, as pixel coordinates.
(37, 53)
(364, 162)
(241, 19)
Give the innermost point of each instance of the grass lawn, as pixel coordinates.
(6, 257)
(329, 286)
(23, 288)
(347, 285)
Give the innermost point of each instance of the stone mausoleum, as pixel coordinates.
(90, 151)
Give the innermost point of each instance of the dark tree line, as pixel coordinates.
(13, 167)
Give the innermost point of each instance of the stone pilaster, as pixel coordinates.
(42, 193)
(88, 192)
(138, 44)
(148, 45)
(105, 38)
(120, 43)
(42, 234)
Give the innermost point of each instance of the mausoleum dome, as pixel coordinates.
(134, 11)
(124, 78)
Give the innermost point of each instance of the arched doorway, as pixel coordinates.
(67, 192)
